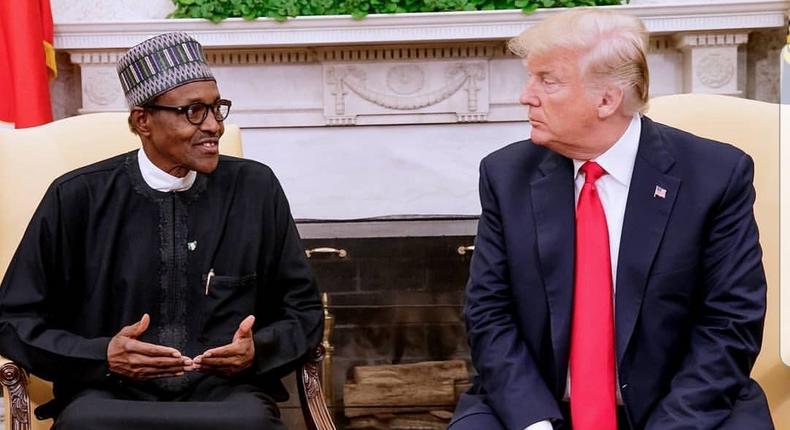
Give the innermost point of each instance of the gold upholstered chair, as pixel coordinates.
(30, 159)
(752, 126)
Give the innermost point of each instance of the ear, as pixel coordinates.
(140, 120)
(610, 101)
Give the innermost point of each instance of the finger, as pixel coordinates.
(139, 361)
(189, 364)
(143, 326)
(245, 328)
(217, 361)
(228, 350)
(138, 347)
(227, 360)
(137, 329)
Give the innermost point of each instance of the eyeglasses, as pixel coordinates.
(197, 112)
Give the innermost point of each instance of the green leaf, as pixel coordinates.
(217, 10)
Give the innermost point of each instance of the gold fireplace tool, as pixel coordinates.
(329, 326)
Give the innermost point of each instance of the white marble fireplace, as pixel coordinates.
(390, 115)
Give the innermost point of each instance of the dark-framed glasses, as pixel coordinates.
(197, 112)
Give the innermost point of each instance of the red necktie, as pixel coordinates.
(592, 368)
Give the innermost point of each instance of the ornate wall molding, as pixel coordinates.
(711, 61)
(101, 87)
(415, 52)
(103, 56)
(661, 44)
(699, 40)
(302, 55)
(66, 90)
(714, 70)
(262, 56)
(763, 53)
(392, 88)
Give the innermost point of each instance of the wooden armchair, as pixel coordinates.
(31, 159)
(752, 126)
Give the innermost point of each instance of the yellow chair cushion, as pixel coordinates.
(752, 126)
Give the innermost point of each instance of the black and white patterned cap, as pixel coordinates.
(159, 64)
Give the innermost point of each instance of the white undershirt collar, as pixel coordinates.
(160, 180)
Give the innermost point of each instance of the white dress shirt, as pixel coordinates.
(160, 180)
(618, 162)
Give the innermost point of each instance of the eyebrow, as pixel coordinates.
(215, 99)
(199, 100)
(541, 72)
(548, 73)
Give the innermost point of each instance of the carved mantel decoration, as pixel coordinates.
(401, 87)
(711, 61)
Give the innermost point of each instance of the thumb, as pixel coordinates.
(137, 329)
(245, 328)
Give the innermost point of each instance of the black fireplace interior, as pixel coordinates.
(395, 299)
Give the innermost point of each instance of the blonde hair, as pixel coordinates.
(612, 45)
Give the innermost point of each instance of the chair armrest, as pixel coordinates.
(14, 380)
(308, 382)
(316, 414)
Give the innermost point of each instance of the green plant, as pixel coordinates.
(217, 10)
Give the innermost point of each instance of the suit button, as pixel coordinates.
(624, 386)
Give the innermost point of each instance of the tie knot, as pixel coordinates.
(592, 171)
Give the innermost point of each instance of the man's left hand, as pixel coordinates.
(232, 358)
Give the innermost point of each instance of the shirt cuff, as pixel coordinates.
(540, 425)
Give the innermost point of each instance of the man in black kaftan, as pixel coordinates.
(166, 287)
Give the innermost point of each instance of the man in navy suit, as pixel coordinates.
(684, 302)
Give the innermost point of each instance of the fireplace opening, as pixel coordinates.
(395, 291)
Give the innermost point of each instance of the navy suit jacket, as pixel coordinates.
(690, 295)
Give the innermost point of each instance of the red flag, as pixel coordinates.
(27, 61)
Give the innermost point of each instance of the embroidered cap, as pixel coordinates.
(159, 64)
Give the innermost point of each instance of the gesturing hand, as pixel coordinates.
(232, 358)
(139, 360)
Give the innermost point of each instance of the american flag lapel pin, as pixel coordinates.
(660, 192)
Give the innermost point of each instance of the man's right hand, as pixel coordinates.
(139, 360)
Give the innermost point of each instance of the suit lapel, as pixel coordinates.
(646, 214)
(553, 209)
